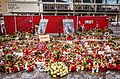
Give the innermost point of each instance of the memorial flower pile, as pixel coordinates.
(63, 55)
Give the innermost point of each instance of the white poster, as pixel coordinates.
(68, 25)
(42, 26)
(2, 27)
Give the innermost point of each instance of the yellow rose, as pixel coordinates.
(51, 73)
(54, 72)
(57, 70)
(58, 73)
(54, 76)
(54, 68)
(61, 70)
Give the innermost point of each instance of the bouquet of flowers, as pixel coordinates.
(58, 69)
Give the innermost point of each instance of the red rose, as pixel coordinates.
(15, 68)
(21, 67)
(30, 69)
(73, 68)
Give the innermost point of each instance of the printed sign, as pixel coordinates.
(42, 26)
(44, 38)
(88, 21)
(68, 25)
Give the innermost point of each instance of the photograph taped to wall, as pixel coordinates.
(42, 26)
(68, 25)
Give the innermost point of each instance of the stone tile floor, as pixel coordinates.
(36, 74)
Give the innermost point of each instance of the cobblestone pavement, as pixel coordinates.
(36, 74)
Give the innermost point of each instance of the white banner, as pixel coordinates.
(42, 26)
(68, 25)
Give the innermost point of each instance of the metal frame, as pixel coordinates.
(78, 8)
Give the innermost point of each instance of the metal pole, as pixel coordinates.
(32, 21)
(95, 6)
(73, 7)
(39, 6)
(55, 7)
(77, 24)
(117, 1)
(117, 16)
(15, 24)
(105, 6)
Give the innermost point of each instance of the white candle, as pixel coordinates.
(93, 70)
(82, 68)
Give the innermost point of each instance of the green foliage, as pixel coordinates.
(89, 57)
(28, 34)
(9, 57)
(67, 46)
(5, 39)
(84, 63)
(110, 31)
(78, 33)
(96, 60)
(72, 55)
(98, 30)
(12, 37)
(110, 40)
(5, 50)
(58, 54)
(0, 39)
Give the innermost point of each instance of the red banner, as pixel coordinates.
(24, 23)
(36, 20)
(94, 22)
(55, 23)
(9, 24)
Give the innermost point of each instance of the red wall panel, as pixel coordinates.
(24, 23)
(55, 21)
(36, 20)
(98, 22)
(9, 24)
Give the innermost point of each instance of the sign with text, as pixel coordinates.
(44, 38)
(89, 21)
